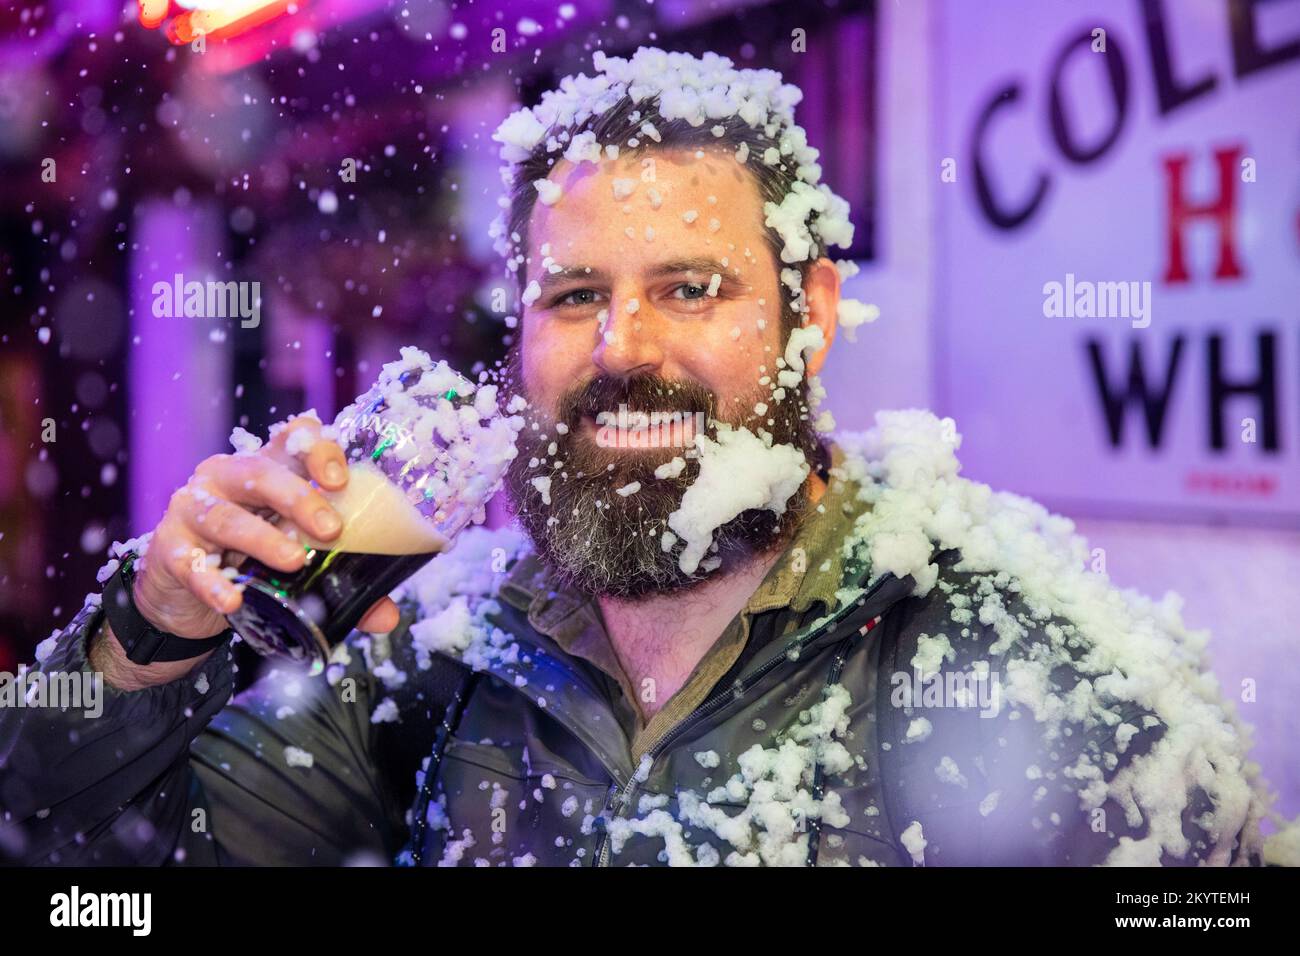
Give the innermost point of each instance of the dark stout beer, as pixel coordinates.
(334, 588)
(305, 613)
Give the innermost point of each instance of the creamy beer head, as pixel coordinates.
(377, 518)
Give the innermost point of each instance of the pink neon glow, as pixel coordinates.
(219, 22)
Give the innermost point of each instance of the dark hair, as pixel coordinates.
(623, 122)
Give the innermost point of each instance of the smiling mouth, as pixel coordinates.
(637, 429)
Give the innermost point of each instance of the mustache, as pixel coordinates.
(647, 392)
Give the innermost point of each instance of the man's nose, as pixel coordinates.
(629, 343)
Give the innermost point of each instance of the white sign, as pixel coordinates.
(1119, 278)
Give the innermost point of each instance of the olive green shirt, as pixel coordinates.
(807, 573)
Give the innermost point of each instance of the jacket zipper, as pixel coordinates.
(601, 857)
(715, 703)
(819, 777)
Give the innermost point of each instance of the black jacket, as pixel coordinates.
(808, 752)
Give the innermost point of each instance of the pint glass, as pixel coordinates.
(426, 449)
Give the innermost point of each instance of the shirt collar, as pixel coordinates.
(812, 568)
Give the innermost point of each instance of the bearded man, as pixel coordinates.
(723, 638)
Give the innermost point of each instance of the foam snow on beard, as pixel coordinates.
(808, 339)
(737, 472)
(698, 90)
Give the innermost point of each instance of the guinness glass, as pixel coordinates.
(426, 449)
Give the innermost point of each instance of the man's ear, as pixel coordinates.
(821, 289)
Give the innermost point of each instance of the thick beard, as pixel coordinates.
(598, 542)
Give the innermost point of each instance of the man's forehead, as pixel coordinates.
(651, 206)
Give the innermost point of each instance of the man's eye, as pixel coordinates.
(578, 297)
(691, 290)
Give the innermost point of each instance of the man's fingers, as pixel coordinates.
(230, 527)
(327, 466)
(294, 437)
(262, 483)
(194, 567)
(211, 587)
(382, 617)
(298, 445)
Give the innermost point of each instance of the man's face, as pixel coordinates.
(659, 294)
(650, 270)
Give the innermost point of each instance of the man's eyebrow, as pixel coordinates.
(695, 265)
(701, 265)
(550, 280)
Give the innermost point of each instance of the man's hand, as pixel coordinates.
(179, 590)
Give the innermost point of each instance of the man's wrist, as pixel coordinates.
(141, 640)
(106, 655)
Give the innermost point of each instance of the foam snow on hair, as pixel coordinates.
(809, 219)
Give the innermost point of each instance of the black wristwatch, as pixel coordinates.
(143, 642)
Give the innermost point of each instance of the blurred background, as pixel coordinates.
(338, 154)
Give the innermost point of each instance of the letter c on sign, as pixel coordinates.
(995, 214)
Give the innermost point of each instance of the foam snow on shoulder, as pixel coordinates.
(453, 594)
(297, 757)
(1283, 847)
(1127, 647)
(737, 472)
(913, 840)
(775, 789)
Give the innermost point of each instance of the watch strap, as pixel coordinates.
(142, 642)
